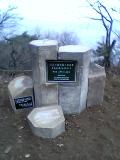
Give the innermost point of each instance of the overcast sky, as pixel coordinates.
(60, 15)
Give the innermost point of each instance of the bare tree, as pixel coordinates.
(107, 21)
(67, 38)
(8, 22)
(8, 19)
(64, 38)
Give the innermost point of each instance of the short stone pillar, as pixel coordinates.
(43, 50)
(73, 95)
(96, 81)
(21, 93)
(47, 122)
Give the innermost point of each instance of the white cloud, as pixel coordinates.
(47, 10)
(57, 14)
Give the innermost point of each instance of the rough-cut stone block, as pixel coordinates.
(73, 96)
(41, 51)
(47, 122)
(96, 84)
(46, 94)
(69, 98)
(21, 93)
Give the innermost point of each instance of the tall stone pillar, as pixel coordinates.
(41, 51)
(73, 95)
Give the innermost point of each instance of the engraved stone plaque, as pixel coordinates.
(61, 70)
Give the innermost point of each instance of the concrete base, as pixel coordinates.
(96, 85)
(47, 122)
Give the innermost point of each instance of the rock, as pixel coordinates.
(60, 145)
(21, 93)
(27, 155)
(21, 127)
(47, 122)
(73, 95)
(96, 85)
(8, 149)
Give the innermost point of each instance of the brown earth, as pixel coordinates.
(92, 135)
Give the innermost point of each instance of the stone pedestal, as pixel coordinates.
(73, 95)
(96, 85)
(47, 122)
(43, 50)
(21, 93)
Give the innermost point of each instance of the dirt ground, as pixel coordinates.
(92, 135)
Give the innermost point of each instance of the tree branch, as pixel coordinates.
(97, 19)
(107, 22)
(106, 10)
(8, 19)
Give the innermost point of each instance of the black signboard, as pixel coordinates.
(61, 70)
(24, 102)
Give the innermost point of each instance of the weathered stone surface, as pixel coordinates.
(47, 122)
(73, 96)
(49, 94)
(96, 85)
(41, 51)
(20, 87)
(69, 98)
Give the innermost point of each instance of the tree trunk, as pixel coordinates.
(107, 62)
(109, 48)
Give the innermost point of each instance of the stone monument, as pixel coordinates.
(50, 121)
(60, 76)
(21, 93)
(64, 81)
